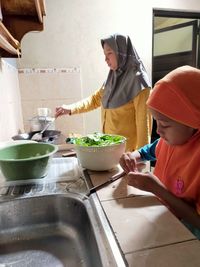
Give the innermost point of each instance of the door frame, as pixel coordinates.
(172, 13)
(176, 13)
(162, 64)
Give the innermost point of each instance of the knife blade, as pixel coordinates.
(109, 181)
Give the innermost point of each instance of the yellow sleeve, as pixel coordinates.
(87, 104)
(143, 118)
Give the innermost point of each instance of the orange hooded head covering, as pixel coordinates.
(177, 96)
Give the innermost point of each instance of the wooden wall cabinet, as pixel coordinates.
(17, 17)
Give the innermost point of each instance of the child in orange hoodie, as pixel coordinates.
(175, 105)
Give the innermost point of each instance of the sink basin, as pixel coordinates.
(52, 230)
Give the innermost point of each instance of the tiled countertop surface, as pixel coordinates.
(148, 233)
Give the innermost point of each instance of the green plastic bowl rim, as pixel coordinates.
(31, 158)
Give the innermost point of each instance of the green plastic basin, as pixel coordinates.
(26, 161)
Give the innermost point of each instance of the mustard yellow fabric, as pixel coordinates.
(131, 120)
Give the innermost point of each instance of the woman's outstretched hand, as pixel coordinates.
(60, 111)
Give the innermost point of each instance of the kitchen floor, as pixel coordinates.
(148, 234)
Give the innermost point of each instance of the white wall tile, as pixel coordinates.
(51, 88)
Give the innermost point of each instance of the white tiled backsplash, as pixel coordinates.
(51, 87)
(22, 91)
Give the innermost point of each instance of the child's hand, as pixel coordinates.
(131, 162)
(128, 162)
(144, 181)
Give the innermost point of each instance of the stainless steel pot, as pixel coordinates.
(48, 136)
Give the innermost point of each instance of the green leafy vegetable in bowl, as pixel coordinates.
(99, 139)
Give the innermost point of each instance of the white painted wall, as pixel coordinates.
(72, 34)
(10, 101)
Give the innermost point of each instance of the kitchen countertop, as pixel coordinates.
(147, 232)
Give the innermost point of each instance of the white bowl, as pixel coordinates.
(100, 158)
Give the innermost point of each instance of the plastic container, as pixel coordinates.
(100, 158)
(26, 161)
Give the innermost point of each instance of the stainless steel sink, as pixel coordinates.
(55, 230)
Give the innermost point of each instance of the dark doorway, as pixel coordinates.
(175, 42)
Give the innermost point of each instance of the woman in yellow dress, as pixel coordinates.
(122, 97)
